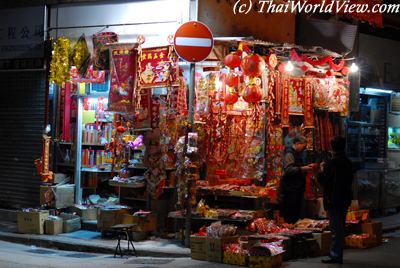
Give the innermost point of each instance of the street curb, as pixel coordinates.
(391, 229)
(62, 245)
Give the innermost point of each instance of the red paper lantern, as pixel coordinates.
(232, 80)
(329, 73)
(231, 97)
(252, 94)
(232, 60)
(253, 65)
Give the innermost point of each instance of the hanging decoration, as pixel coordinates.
(317, 63)
(91, 76)
(153, 160)
(60, 63)
(80, 55)
(122, 77)
(308, 104)
(296, 96)
(285, 101)
(253, 65)
(158, 67)
(233, 60)
(101, 54)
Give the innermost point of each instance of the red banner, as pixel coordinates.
(285, 102)
(158, 67)
(296, 96)
(91, 76)
(308, 104)
(123, 76)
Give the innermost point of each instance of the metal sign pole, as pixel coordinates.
(78, 152)
(189, 183)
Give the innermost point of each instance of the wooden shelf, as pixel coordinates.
(134, 199)
(87, 144)
(126, 185)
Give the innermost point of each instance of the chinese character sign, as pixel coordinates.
(158, 67)
(122, 76)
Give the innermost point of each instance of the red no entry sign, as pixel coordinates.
(193, 41)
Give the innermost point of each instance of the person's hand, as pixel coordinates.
(322, 166)
(307, 168)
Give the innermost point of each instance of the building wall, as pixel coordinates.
(219, 16)
(379, 61)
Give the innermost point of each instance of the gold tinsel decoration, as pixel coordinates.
(60, 65)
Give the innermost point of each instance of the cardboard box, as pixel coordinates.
(324, 241)
(71, 223)
(266, 262)
(53, 227)
(86, 214)
(374, 229)
(110, 217)
(146, 223)
(198, 247)
(57, 196)
(214, 247)
(32, 222)
(359, 241)
(236, 259)
(260, 262)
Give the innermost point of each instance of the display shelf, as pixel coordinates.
(97, 170)
(142, 129)
(126, 185)
(134, 199)
(88, 144)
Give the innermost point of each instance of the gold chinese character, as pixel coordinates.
(143, 56)
(161, 55)
(126, 52)
(149, 56)
(155, 56)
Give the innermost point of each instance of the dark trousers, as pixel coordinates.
(290, 206)
(337, 221)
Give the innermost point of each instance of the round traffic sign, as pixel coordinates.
(193, 41)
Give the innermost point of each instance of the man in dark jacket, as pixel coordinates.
(336, 178)
(292, 185)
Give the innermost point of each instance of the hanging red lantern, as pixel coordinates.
(252, 94)
(232, 80)
(231, 97)
(329, 73)
(253, 65)
(232, 60)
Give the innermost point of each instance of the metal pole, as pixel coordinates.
(189, 184)
(191, 92)
(78, 152)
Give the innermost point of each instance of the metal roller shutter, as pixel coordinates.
(22, 107)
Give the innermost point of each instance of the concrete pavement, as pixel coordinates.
(16, 255)
(88, 241)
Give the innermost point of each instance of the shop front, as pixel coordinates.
(136, 143)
